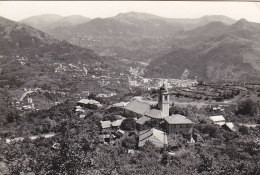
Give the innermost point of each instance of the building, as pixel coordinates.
(92, 104)
(178, 124)
(155, 136)
(105, 124)
(164, 100)
(136, 109)
(230, 126)
(218, 119)
(155, 113)
(141, 121)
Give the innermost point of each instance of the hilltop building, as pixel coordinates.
(178, 124)
(157, 137)
(144, 111)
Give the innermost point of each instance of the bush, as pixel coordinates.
(247, 107)
(243, 130)
(128, 124)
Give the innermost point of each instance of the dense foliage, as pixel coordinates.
(76, 149)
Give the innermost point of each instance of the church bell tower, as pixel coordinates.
(164, 100)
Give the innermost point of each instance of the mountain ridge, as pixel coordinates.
(230, 54)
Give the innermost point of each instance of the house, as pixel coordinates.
(155, 113)
(178, 124)
(117, 123)
(136, 109)
(79, 109)
(120, 132)
(105, 124)
(218, 119)
(155, 136)
(87, 103)
(117, 106)
(229, 126)
(142, 120)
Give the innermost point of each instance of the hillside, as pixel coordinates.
(225, 53)
(30, 57)
(42, 22)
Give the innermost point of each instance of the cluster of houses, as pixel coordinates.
(155, 83)
(220, 120)
(143, 111)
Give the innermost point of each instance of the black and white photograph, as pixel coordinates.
(129, 87)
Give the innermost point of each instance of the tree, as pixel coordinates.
(243, 130)
(130, 142)
(128, 124)
(247, 107)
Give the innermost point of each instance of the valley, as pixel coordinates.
(134, 93)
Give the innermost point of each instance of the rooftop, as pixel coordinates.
(217, 118)
(105, 124)
(142, 120)
(159, 135)
(88, 101)
(155, 113)
(177, 119)
(138, 107)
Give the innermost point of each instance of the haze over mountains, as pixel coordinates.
(211, 48)
(133, 35)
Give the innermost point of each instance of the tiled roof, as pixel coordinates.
(142, 120)
(155, 113)
(138, 107)
(177, 119)
(157, 137)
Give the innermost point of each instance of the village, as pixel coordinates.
(168, 121)
(140, 112)
(150, 118)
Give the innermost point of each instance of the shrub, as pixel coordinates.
(243, 130)
(247, 107)
(128, 124)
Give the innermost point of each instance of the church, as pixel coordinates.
(142, 111)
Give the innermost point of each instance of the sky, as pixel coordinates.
(17, 10)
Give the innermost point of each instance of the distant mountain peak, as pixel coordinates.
(220, 18)
(137, 15)
(242, 21)
(243, 24)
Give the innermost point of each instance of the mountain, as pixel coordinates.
(51, 23)
(42, 22)
(70, 21)
(224, 53)
(133, 35)
(192, 23)
(136, 36)
(30, 57)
